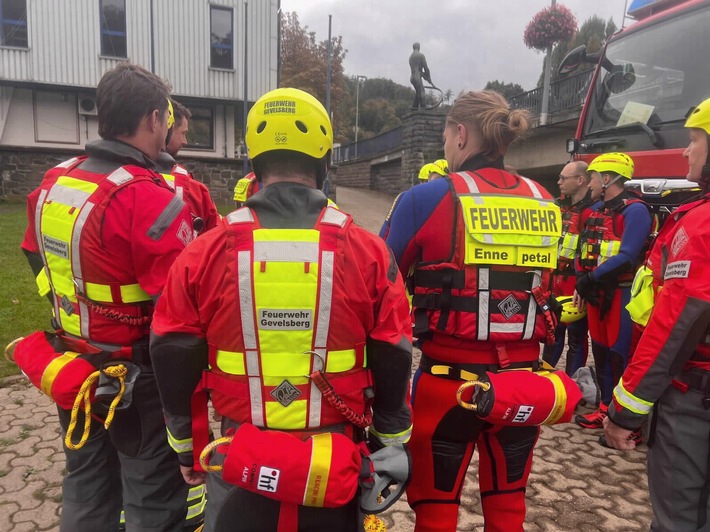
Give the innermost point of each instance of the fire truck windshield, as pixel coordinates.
(650, 79)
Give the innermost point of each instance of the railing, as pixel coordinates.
(382, 143)
(565, 94)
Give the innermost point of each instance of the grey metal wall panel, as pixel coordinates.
(65, 45)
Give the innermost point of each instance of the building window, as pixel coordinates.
(221, 38)
(113, 28)
(13, 23)
(200, 135)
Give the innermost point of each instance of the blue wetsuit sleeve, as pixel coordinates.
(637, 226)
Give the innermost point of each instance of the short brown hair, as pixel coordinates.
(125, 95)
(488, 113)
(180, 112)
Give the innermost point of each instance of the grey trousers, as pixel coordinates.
(130, 466)
(678, 461)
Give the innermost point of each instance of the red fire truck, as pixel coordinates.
(648, 76)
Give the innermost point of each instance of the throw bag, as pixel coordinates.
(322, 471)
(51, 367)
(521, 397)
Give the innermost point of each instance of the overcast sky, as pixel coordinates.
(466, 42)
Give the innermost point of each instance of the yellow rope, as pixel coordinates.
(372, 523)
(119, 371)
(10, 349)
(204, 455)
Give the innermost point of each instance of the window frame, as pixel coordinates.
(14, 23)
(196, 110)
(112, 33)
(214, 46)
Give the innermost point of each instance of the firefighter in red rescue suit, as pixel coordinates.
(286, 294)
(103, 231)
(193, 192)
(669, 376)
(615, 232)
(482, 245)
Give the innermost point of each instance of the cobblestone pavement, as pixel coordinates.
(575, 485)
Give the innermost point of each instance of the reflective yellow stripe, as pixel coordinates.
(52, 370)
(321, 454)
(630, 402)
(232, 362)
(560, 400)
(195, 491)
(179, 446)
(130, 293)
(392, 439)
(568, 248)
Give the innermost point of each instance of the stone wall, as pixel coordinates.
(398, 170)
(21, 171)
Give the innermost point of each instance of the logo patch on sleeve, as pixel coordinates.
(184, 233)
(679, 241)
(677, 270)
(268, 479)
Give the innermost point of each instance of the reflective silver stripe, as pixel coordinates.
(166, 218)
(333, 216)
(195, 492)
(533, 187)
(470, 182)
(546, 241)
(488, 238)
(179, 170)
(484, 275)
(246, 302)
(244, 266)
(179, 192)
(285, 251)
(507, 327)
(257, 405)
(325, 299)
(630, 401)
(40, 244)
(68, 196)
(120, 176)
(532, 307)
(240, 216)
(67, 163)
(77, 272)
(483, 299)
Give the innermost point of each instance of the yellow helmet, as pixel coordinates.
(171, 115)
(618, 163)
(570, 312)
(437, 167)
(289, 119)
(700, 117)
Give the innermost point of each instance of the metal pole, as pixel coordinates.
(357, 108)
(245, 161)
(152, 40)
(623, 16)
(330, 61)
(546, 83)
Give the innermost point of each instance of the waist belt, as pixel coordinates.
(466, 372)
(138, 353)
(456, 279)
(697, 380)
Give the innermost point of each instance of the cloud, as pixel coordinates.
(466, 42)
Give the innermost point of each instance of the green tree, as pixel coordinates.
(592, 33)
(508, 90)
(304, 64)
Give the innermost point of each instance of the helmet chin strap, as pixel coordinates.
(604, 187)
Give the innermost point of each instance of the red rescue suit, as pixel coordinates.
(471, 319)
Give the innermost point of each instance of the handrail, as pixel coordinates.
(565, 94)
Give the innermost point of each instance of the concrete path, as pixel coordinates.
(576, 484)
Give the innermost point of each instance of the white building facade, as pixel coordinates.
(54, 52)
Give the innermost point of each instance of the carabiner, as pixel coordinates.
(485, 386)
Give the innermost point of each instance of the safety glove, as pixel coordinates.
(585, 287)
(384, 475)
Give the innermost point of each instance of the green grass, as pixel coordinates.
(22, 310)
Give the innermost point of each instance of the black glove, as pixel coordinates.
(584, 285)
